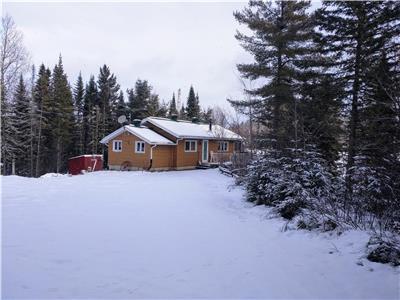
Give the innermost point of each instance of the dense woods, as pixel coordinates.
(326, 95)
(47, 119)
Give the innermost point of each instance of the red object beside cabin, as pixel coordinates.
(87, 163)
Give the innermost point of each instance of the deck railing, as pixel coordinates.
(220, 157)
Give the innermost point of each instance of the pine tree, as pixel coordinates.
(172, 106)
(282, 33)
(22, 125)
(78, 94)
(192, 106)
(62, 119)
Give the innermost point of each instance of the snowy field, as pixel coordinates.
(185, 234)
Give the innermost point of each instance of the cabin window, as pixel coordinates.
(139, 147)
(117, 146)
(223, 146)
(190, 146)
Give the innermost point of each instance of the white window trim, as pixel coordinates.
(221, 148)
(144, 147)
(190, 141)
(114, 148)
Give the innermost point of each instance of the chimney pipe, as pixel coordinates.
(136, 122)
(210, 125)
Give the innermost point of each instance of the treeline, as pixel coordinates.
(45, 120)
(329, 106)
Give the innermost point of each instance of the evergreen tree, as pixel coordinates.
(91, 100)
(79, 92)
(319, 116)
(172, 106)
(352, 34)
(62, 119)
(282, 33)
(153, 106)
(108, 97)
(22, 125)
(42, 114)
(138, 99)
(182, 113)
(192, 106)
(121, 107)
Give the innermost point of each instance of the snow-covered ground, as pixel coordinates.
(173, 235)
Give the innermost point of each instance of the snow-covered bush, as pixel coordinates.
(375, 203)
(293, 181)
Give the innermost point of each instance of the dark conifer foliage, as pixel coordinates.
(192, 106)
(280, 45)
(22, 126)
(79, 92)
(91, 117)
(172, 106)
(42, 100)
(62, 119)
(331, 92)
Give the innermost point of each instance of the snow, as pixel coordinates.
(142, 132)
(183, 234)
(186, 129)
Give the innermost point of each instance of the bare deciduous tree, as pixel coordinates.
(13, 62)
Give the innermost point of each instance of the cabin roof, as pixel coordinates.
(142, 132)
(187, 129)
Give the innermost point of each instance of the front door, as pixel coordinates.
(204, 156)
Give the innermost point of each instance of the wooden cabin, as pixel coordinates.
(168, 144)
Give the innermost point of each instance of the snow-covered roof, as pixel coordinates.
(186, 129)
(142, 132)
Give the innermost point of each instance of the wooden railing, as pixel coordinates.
(220, 157)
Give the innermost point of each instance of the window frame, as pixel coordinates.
(221, 148)
(190, 143)
(115, 143)
(141, 143)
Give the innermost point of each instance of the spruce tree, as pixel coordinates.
(43, 128)
(108, 97)
(62, 119)
(91, 100)
(192, 106)
(138, 99)
(121, 106)
(352, 34)
(22, 125)
(79, 92)
(153, 106)
(172, 106)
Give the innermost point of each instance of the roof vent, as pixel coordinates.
(195, 120)
(136, 122)
(174, 117)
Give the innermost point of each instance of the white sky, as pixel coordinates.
(173, 45)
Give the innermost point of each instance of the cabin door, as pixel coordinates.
(204, 152)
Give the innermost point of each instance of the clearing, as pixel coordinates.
(180, 234)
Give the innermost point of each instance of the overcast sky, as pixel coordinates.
(173, 45)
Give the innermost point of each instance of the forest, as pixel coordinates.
(324, 88)
(45, 119)
(321, 111)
